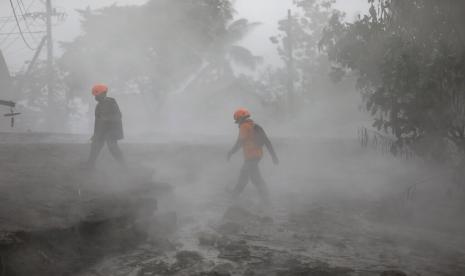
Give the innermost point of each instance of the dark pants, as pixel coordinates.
(97, 145)
(251, 171)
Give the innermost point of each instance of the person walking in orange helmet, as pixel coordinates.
(108, 127)
(251, 139)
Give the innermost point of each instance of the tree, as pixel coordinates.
(180, 55)
(306, 27)
(223, 54)
(150, 48)
(409, 57)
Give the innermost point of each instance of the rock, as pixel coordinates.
(393, 273)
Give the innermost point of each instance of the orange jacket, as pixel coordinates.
(250, 147)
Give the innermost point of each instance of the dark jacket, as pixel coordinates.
(252, 138)
(108, 123)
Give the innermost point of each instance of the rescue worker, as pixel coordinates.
(251, 138)
(108, 126)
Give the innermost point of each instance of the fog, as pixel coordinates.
(122, 161)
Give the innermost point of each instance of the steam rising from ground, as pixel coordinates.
(184, 134)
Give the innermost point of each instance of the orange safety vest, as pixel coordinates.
(249, 144)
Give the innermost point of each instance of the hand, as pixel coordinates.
(275, 160)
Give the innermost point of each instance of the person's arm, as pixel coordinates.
(270, 148)
(115, 112)
(95, 129)
(235, 148)
(96, 122)
(118, 111)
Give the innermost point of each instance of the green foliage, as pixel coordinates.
(306, 27)
(410, 61)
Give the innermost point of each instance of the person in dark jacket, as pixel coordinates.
(108, 126)
(251, 139)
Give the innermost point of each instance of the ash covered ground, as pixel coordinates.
(337, 209)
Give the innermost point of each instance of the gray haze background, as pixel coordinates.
(321, 163)
(177, 120)
(267, 12)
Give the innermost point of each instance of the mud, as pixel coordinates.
(249, 244)
(354, 222)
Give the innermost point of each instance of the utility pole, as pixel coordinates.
(47, 16)
(50, 71)
(6, 84)
(290, 63)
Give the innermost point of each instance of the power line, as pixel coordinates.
(23, 14)
(18, 33)
(21, 4)
(8, 36)
(18, 4)
(24, 11)
(19, 26)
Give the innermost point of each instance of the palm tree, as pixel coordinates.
(223, 54)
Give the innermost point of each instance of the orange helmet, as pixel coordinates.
(241, 113)
(99, 89)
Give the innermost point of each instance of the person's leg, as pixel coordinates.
(116, 151)
(243, 179)
(95, 148)
(259, 182)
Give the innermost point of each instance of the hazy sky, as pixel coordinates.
(267, 12)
